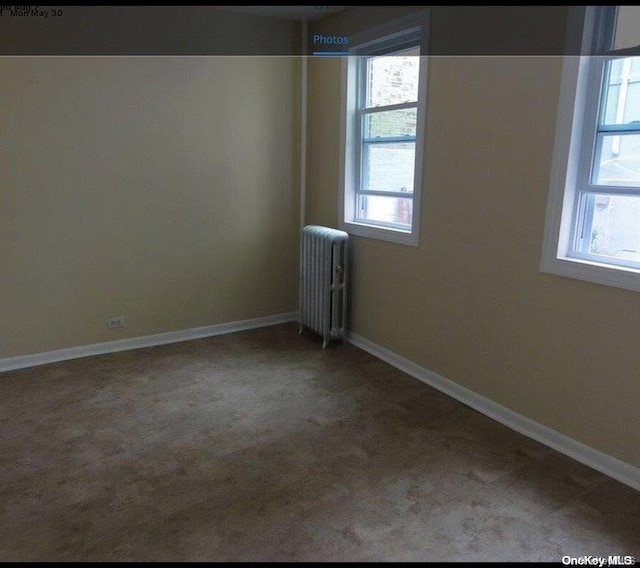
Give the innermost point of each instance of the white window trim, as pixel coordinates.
(397, 27)
(567, 153)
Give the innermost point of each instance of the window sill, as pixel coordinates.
(616, 276)
(396, 236)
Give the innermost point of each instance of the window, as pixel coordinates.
(382, 144)
(593, 216)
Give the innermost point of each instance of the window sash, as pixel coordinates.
(595, 135)
(594, 132)
(604, 260)
(363, 177)
(381, 224)
(362, 111)
(376, 222)
(388, 139)
(386, 108)
(583, 215)
(583, 207)
(617, 187)
(383, 193)
(629, 128)
(611, 190)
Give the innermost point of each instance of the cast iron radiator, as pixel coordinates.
(323, 278)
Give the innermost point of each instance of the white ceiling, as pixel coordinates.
(308, 13)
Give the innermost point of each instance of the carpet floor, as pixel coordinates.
(259, 446)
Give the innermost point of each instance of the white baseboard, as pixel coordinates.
(613, 467)
(24, 361)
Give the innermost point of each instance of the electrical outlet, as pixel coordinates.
(115, 323)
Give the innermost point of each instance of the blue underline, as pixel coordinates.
(331, 53)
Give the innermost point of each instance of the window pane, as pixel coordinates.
(617, 160)
(383, 209)
(622, 92)
(615, 227)
(627, 27)
(392, 79)
(391, 123)
(388, 167)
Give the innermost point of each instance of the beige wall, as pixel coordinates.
(160, 189)
(470, 302)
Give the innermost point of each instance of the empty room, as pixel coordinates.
(320, 284)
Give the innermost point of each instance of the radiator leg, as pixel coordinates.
(300, 330)
(325, 342)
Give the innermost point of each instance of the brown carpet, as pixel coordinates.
(259, 446)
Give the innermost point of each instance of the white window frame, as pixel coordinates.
(412, 28)
(575, 134)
